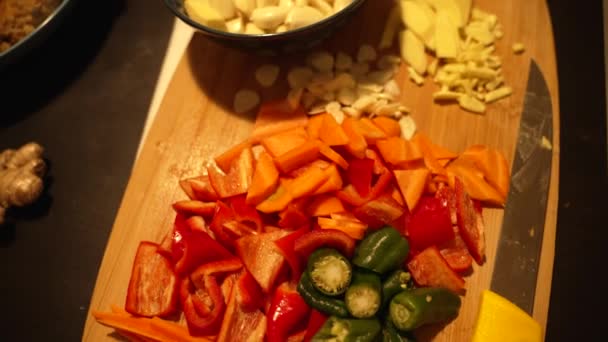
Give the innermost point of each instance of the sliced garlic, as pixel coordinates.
(518, 48)
(203, 13)
(498, 94)
(412, 51)
(390, 28)
(245, 100)
(251, 28)
(392, 88)
(267, 74)
(350, 111)
(335, 109)
(408, 127)
(346, 96)
(471, 104)
(415, 77)
(236, 25)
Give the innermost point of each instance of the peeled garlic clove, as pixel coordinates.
(302, 16)
(286, 3)
(236, 25)
(341, 4)
(323, 6)
(267, 74)
(251, 28)
(334, 109)
(245, 100)
(201, 12)
(265, 3)
(346, 96)
(408, 127)
(246, 7)
(225, 8)
(281, 29)
(269, 18)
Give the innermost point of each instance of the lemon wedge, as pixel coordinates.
(501, 320)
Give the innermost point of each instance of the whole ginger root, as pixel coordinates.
(21, 173)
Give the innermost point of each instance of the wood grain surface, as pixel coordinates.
(195, 123)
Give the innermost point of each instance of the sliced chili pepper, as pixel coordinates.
(364, 295)
(359, 174)
(391, 334)
(411, 309)
(249, 294)
(379, 212)
(429, 224)
(382, 251)
(152, 287)
(313, 240)
(329, 271)
(393, 284)
(316, 321)
(286, 247)
(317, 300)
(199, 248)
(349, 330)
(223, 214)
(203, 307)
(287, 313)
(240, 325)
(429, 268)
(293, 216)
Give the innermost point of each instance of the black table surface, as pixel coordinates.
(85, 93)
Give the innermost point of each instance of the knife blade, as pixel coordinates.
(519, 246)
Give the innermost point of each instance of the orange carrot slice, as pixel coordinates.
(474, 183)
(424, 143)
(412, 184)
(388, 125)
(331, 132)
(324, 205)
(225, 159)
(265, 180)
(440, 152)
(334, 156)
(396, 195)
(493, 164)
(314, 126)
(307, 183)
(356, 142)
(281, 143)
(276, 202)
(277, 116)
(333, 182)
(370, 131)
(398, 151)
(354, 229)
(299, 156)
(318, 163)
(237, 180)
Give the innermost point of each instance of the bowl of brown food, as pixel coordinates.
(26, 23)
(267, 27)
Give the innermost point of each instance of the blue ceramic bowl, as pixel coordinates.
(273, 43)
(37, 36)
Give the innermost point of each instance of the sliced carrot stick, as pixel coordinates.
(331, 132)
(318, 163)
(277, 116)
(440, 152)
(444, 162)
(265, 180)
(493, 164)
(307, 183)
(225, 159)
(334, 156)
(151, 328)
(356, 142)
(412, 184)
(314, 126)
(475, 184)
(324, 205)
(388, 125)
(424, 143)
(299, 156)
(333, 183)
(354, 229)
(370, 131)
(396, 195)
(276, 202)
(281, 143)
(398, 151)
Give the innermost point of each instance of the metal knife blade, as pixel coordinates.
(519, 246)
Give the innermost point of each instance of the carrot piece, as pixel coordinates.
(299, 156)
(354, 229)
(237, 180)
(333, 182)
(149, 328)
(440, 152)
(307, 183)
(276, 202)
(277, 116)
(412, 184)
(494, 166)
(314, 126)
(356, 142)
(370, 131)
(324, 205)
(318, 163)
(398, 151)
(225, 159)
(474, 182)
(331, 132)
(334, 156)
(265, 180)
(388, 125)
(396, 195)
(283, 142)
(424, 143)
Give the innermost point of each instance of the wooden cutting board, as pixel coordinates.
(195, 123)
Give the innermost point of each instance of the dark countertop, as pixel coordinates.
(85, 98)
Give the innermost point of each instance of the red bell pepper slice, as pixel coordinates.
(249, 294)
(245, 213)
(429, 224)
(350, 195)
(286, 247)
(287, 312)
(316, 321)
(214, 268)
(203, 306)
(152, 287)
(223, 214)
(180, 229)
(240, 325)
(359, 174)
(198, 248)
(293, 216)
(470, 223)
(456, 254)
(379, 212)
(313, 240)
(429, 268)
(447, 196)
